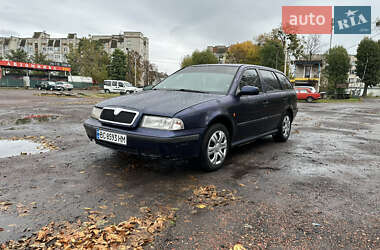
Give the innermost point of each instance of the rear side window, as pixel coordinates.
(284, 81)
(107, 83)
(270, 81)
(250, 78)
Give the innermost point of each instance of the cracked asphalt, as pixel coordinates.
(319, 190)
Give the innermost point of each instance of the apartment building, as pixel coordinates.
(128, 41)
(56, 49)
(353, 79)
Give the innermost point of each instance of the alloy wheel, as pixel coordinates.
(286, 126)
(217, 147)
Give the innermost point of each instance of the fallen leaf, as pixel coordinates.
(241, 184)
(1, 229)
(239, 247)
(103, 207)
(201, 206)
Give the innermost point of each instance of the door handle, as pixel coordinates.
(266, 102)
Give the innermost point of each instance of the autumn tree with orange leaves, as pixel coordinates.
(245, 52)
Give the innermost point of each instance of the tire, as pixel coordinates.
(309, 99)
(216, 136)
(107, 91)
(284, 128)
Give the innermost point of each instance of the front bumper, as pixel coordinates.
(151, 142)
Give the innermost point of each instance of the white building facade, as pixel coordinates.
(56, 49)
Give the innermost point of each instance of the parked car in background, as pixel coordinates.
(38, 85)
(48, 85)
(198, 112)
(63, 86)
(307, 93)
(116, 86)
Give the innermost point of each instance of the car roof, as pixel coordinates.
(238, 65)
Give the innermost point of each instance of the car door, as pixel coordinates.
(114, 86)
(249, 111)
(120, 86)
(303, 94)
(275, 98)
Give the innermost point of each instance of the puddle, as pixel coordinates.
(20, 147)
(36, 118)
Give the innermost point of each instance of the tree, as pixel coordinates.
(199, 57)
(338, 66)
(311, 46)
(40, 58)
(272, 54)
(245, 52)
(368, 61)
(18, 55)
(134, 62)
(293, 42)
(187, 61)
(89, 59)
(117, 69)
(150, 75)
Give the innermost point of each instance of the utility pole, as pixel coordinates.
(332, 29)
(286, 57)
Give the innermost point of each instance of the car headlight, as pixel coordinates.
(96, 113)
(164, 123)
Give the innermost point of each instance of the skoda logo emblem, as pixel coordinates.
(116, 111)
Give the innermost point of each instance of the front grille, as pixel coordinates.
(124, 117)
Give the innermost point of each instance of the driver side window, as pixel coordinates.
(250, 78)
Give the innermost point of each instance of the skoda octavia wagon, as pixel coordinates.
(198, 112)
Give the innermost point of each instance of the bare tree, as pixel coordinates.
(312, 45)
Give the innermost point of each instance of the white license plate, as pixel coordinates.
(108, 136)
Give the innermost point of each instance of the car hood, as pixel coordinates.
(159, 102)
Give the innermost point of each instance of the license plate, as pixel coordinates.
(108, 136)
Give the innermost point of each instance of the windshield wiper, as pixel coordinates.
(190, 90)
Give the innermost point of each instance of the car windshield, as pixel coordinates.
(205, 79)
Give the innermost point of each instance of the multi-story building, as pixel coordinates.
(128, 41)
(354, 80)
(56, 49)
(220, 51)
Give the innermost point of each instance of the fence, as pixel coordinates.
(14, 82)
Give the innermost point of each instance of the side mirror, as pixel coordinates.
(249, 90)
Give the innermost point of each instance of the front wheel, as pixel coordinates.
(284, 129)
(215, 146)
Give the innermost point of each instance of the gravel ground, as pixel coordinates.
(319, 190)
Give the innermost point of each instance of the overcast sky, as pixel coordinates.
(175, 27)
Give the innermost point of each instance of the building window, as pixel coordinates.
(307, 71)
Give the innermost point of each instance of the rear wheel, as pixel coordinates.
(284, 129)
(107, 91)
(215, 146)
(309, 99)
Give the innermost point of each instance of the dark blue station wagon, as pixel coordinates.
(198, 112)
